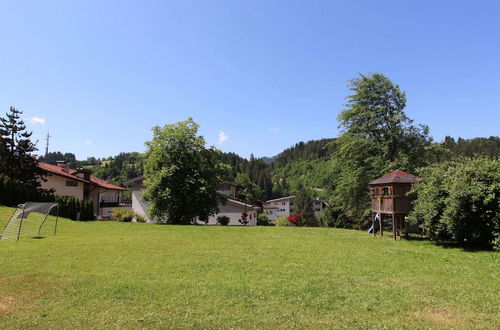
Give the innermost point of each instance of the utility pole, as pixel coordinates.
(47, 146)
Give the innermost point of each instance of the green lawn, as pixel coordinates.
(128, 275)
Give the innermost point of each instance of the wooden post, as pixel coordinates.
(393, 227)
(373, 224)
(380, 222)
(398, 225)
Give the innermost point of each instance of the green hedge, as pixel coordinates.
(13, 194)
(70, 207)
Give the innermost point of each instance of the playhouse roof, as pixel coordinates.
(395, 177)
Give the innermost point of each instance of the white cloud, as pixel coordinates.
(222, 137)
(37, 120)
(274, 129)
(88, 142)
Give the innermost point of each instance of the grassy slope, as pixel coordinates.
(138, 275)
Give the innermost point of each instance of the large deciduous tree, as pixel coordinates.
(181, 175)
(377, 137)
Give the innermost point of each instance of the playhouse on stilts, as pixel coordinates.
(392, 203)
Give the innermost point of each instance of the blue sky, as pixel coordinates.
(100, 74)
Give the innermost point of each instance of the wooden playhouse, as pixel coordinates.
(390, 198)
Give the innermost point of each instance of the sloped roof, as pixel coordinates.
(280, 199)
(71, 174)
(395, 177)
(242, 204)
(134, 180)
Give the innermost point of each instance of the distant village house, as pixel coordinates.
(232, 208)
(82, 185)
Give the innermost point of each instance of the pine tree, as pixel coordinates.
(303, 206)
(16, 151)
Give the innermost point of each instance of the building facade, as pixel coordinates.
(81, 185)
(284, 207)
(232, 208)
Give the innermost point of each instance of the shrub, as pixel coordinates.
(262, 220)
(459, 200)
(295, 219)
(244, 219)
(334, 217)
(122, 215)
(223, 220)
(282, 222)
(70, 207)
(140, 218)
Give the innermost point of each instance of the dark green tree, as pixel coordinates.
(377, 137)
(460, 201)
(17, 161)
(247, 190)
(303, 205)
(181, 175)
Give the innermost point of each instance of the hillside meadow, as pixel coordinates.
(132, 275)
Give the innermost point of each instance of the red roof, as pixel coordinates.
(395, 177)
(71, 174)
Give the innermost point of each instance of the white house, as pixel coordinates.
(271, 211)
(233, 208)
(80, 184)
(284, 207)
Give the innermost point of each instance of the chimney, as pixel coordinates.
(62, 163)
(84, 173)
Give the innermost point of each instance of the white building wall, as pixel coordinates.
(271, 214)
(58, 183)
(234, 214)
(286, 206)
(139, 206)
(283, 207)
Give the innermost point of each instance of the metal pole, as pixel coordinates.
(40, 227)
(57, 217)
(20, 224)
(10, 219)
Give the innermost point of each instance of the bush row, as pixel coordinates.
(13, 194)
(126, 215)
(75, 209)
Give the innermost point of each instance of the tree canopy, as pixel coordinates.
(17, 160)
(181, 175)
(377, 137)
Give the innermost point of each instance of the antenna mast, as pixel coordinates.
(47, 146)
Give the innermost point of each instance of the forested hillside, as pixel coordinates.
(308, 163)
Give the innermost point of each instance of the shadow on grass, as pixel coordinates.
(448, 244)
(38, 237)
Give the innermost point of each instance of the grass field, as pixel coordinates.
(131, 275)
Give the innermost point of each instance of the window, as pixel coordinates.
(386, 191)
(284, 204)
(71, 184)
(316, 203)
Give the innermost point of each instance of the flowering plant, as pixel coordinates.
(295, 219)
(244, 219)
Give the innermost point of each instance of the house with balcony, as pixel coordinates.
(232, 208)
(81, 185)
(284, 207)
